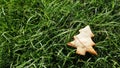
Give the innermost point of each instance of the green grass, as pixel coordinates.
(34, 33)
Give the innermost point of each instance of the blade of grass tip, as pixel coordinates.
(2, 44)
(50, 47)
(17, 60)
(32, 45)
(19, 49)
(30, 18)
(41, 48)
(57, 36)
(3, 11)
(51, 5)
(42, 62)
(34, 66)
(87, 62)
(64, 62)
(24, 63)
(99, 59)
(3, 34)
(31, 63)
(66, 57)
(113, 4)
(59, 52)
(11, 65)
(115, 63)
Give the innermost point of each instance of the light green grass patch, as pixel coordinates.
(34, 33)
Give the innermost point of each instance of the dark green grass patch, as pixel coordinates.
(34, 33)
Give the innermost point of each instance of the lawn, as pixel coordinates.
(35, 33)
